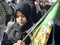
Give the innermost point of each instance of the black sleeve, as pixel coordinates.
(27, 40)
(5, 40)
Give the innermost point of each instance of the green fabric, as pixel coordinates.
(50, 17)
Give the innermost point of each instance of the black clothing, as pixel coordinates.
(35, 16)
(42, 7)
(47, 7)
(56, 35)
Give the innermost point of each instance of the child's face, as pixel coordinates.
(20, 18)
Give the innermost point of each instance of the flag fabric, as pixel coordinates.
(42, 31)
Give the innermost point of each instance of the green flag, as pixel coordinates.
(42, 31)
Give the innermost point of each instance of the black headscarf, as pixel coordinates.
(25, 9)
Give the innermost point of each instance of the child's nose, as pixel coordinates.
(20, 18)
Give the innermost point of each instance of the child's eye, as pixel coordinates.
(20, 16)
(17, 16)
(23, 16)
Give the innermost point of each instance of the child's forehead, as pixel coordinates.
(20, 13)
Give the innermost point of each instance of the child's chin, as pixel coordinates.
(21, 24)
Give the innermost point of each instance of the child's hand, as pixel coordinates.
(19, 42)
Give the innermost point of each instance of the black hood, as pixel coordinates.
(25, 9)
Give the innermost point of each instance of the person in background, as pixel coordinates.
(47, 5)
(4, 11)
(33, 10)
(37, 5)
(43, 10)
(37, 15)
(38, 8)
(41, 4)
(14, 34)
(14, 4)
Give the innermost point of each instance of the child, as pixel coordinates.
(15, 34)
